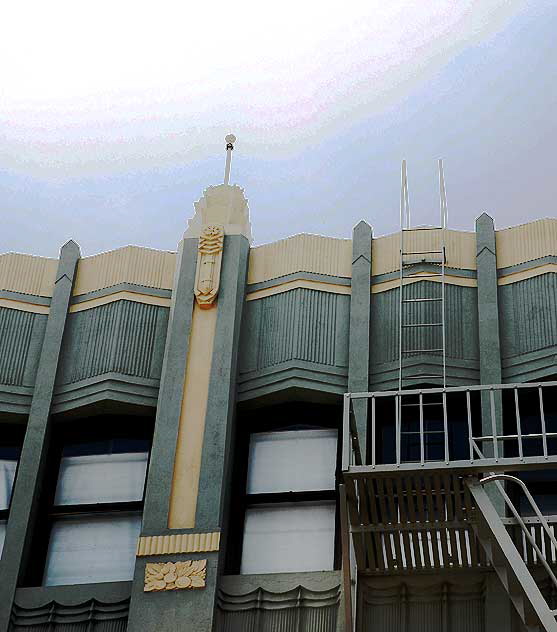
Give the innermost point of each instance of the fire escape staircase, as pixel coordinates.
(435, 501)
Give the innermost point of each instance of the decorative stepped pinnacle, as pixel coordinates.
(222, 205)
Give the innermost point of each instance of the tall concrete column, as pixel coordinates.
(488, 322)
(161, 467)
(186, 494)
(488, 303)
(30, 473)
(360, 316)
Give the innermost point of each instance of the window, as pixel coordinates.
(288, 515)
(10, 449)
(94, 504)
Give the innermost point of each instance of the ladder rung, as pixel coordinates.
(412, 264)
(420, 300)
(421, 377)
(423, 252)
(404, 230)
(422, 350)
(423, 276)
(424, 325)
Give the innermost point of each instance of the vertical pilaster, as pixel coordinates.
(35, 446)
(488, 330)
(195, 609)
(216, 455)
(488, 304)
(360, 315)
(159, 478)
(488, 316)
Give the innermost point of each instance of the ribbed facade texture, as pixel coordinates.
(291, 437)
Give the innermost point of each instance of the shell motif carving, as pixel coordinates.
(209, 259)
(175, 575)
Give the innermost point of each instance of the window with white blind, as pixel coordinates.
(10, 449)
(287, 498)
(94, 505)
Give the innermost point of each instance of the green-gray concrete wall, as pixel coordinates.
(300, 337)
(30, 473)
(161, 466)
(170, 610)
(529, 328)
(21, 338)
(120, 337)
(461, 306)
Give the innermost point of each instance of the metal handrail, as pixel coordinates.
(543, 521)
(491, 412)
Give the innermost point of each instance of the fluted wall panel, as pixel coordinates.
(19, 345)
(131, 264)
(460, 245)
(526, 242)
(27, 274)
(89, 616)
(301, 324)
(122, 337)
(461, 322)
(300, 253)
(297, 610)
(528, 315)
(416, 606)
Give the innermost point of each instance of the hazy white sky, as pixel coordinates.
(112, 115)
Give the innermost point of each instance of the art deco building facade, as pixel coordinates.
(178, 452)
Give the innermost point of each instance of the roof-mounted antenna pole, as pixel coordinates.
(404, 205)
(230, 140)
(442, 195)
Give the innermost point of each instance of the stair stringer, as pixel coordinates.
(509, 566)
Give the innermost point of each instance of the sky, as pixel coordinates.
(113, 115)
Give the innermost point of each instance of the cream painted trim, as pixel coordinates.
(121, 296)
(189, 446)
(27, 274)
(460, 248)
(449, 280)
(130, 264)
(334, 288)
(300, 253)
(178, 543)
(527, 274)
(526, 242)
(23, 306)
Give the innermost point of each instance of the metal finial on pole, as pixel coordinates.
(404, 205)
(230, 140)
(442, 195)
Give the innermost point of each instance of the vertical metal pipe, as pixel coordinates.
(422, 441)
(542, 419)
(443, 310)
(400, 305)
(469, 417)
(346, 433)
(494, 436)
(398, 427)
(373, 440)
(518, 425)
(445, 427)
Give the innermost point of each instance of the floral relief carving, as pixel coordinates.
(175, 575)
(209, 259)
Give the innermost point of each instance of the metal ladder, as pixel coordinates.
(408, 304)
(505, 559)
